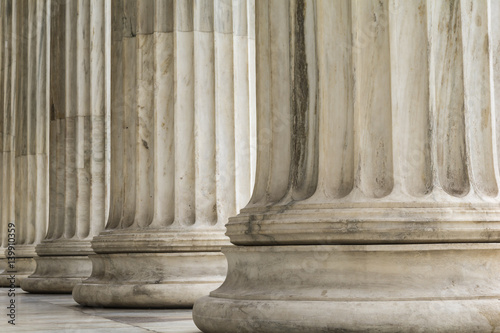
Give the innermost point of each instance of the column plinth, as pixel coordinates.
(390, 288)
(153, 269)
(57, 274)
(128, 280)
(377, 187)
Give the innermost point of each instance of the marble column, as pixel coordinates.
(376, 204)
(4, 53)
(77, 182)
(31, 136)
(181, 152)
(11, 40)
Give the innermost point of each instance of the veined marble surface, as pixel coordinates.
(182, 150)
(377, 123)
(59, 313)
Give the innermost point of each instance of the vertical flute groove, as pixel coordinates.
(145, 144)
(494, 32)
(336, 150)
(304, 94)
(42, 121)
(117, 107)
(263, 107)
(73, 133)
(280, 99)
(56, 102)
(82, 121)
(164, 163)
(3, 56)
(446, 64)
(372, 107)
(8, 104)
(242, 121)
(224, 112)
(32, 124)
(410, 97)
(20, 118)
(98, 111)
(184, 115)
(129, 107)
(478, 90)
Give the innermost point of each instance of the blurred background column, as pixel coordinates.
(5, 85)
(78, 200)
(23, 87)
(30, 135)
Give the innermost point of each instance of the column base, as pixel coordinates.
(57, 274)
(356, 288)
(151, 280)
(23, 268)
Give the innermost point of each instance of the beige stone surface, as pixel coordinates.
(375, 207)
(181, 153)
(78, 182)
(22, 268)
(358, 288)
(371, 132)
(376, 198)
(24, 134)
(4, 69)
(150, 280)
(57, 274)
(8, 171)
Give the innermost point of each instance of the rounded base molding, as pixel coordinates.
(40, 285)
(160, 240)
(365, 223)
(25, 251)
(151, 280)
(57, 274)
(214, 315)
(356, 288)
(147, 295)
(23, 267)
(67, 247)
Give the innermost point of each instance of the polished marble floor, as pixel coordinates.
(59, 313)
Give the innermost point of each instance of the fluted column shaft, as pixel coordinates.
(181, 151)
(11, 38)
(5, 9)
(354, 138)
(377, 127)
(31, 139)
(77, 145)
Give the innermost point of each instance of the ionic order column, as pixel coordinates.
(11, 40)
(31, 136)
(77, 199)
(376, 204)
(181, 154)
(3, 50)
